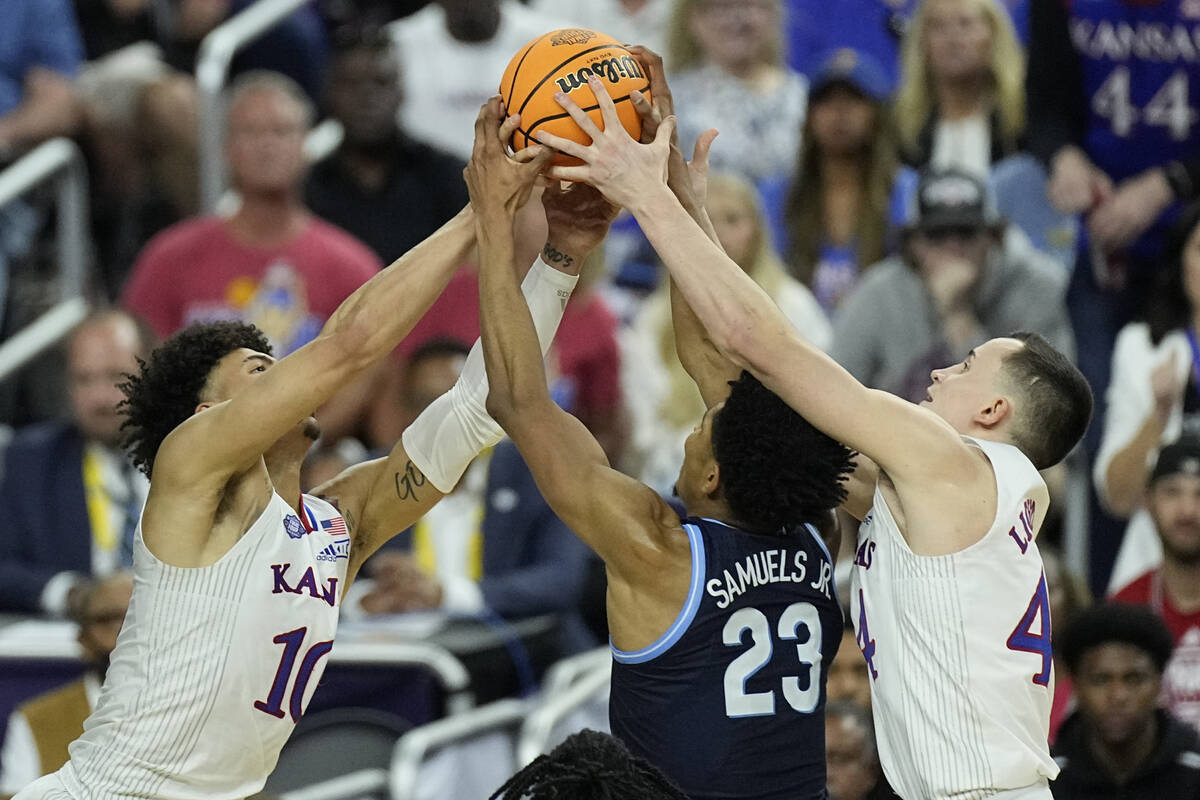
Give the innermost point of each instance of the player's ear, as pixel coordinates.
(712, 478)
(202, 406)
(994, 413)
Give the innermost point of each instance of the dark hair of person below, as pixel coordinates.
(1115, 623)
(166, 390)
(1168, 307)
(777, 470)
(589, 766)
(1055, 400)
(438, 347)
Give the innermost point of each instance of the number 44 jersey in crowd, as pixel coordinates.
(729, 702)
(214, 665)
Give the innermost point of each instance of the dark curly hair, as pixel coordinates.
(167, 388)
(589, 766)
(1115, 623)
(777, 470)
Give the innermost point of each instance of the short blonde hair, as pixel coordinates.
(914, 100)
(683, 51)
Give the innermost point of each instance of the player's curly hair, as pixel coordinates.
(777, 470)
(167, 388)
(589, 766)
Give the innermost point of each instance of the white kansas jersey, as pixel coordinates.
(958, 648)
(215, 664)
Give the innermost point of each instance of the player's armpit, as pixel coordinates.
(378, 499)
(860, 487)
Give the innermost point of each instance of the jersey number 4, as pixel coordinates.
(1168, 108)
(1024, 639)
(292, 642)
(739, 702)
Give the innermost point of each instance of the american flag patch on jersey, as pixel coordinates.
(335, 526)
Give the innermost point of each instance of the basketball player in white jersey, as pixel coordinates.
(239, 577)
(948, 595)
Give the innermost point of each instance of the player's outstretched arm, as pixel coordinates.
(700, 357)
(909, 442)
(611, 512)
(226, 438)
(388, 495)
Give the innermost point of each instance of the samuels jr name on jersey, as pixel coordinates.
(767, 567)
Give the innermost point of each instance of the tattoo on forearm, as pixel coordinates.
(558, 258)
(408, 481)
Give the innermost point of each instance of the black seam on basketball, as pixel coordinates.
(513, 83)
(544, 120)
(554, 70)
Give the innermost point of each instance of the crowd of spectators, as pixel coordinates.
(906, 179)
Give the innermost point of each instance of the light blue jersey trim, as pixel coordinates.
(820, 542)
(684, 620)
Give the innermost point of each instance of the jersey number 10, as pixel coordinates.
(739, 702)
(292, 641)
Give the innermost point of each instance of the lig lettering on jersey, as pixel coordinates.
(1025, 520)
(1141, 74)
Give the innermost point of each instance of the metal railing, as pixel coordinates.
(212, 71)
(366, 782)
(449, 671)
(56, 160)
(415, 745)
(539, 725)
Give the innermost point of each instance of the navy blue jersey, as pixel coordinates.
(1141, 75)
(1140, 63)
(730, 702)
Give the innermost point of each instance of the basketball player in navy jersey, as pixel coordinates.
(948, 594)
(238, 577)
(723, 624)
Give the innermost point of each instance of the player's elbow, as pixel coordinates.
(735, 337)
(500, 405)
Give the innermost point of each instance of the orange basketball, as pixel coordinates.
(562, 61)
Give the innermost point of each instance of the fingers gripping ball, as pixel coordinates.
(562, 61)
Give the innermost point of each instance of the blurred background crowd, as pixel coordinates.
(906, 178)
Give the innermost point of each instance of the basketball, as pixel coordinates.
(562, 61)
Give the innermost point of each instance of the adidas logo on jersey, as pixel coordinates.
(334, 551)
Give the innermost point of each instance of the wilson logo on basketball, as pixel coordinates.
(572, 36)
(613, 69)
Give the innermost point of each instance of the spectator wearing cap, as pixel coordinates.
(834, 217)
(725, 62)
(961, 100)
(1119, 743)
(963, 276)
(382, 186)
(1172, 590)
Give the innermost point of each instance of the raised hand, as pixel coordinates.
(1166, 386)
(578, 217)
(497, 182)
(688, 180)
(621, 168)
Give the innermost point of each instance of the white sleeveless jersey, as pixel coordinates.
(215, 664)
(958, 648)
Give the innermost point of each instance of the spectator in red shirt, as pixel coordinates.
(272, 263)
(1173, 589)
